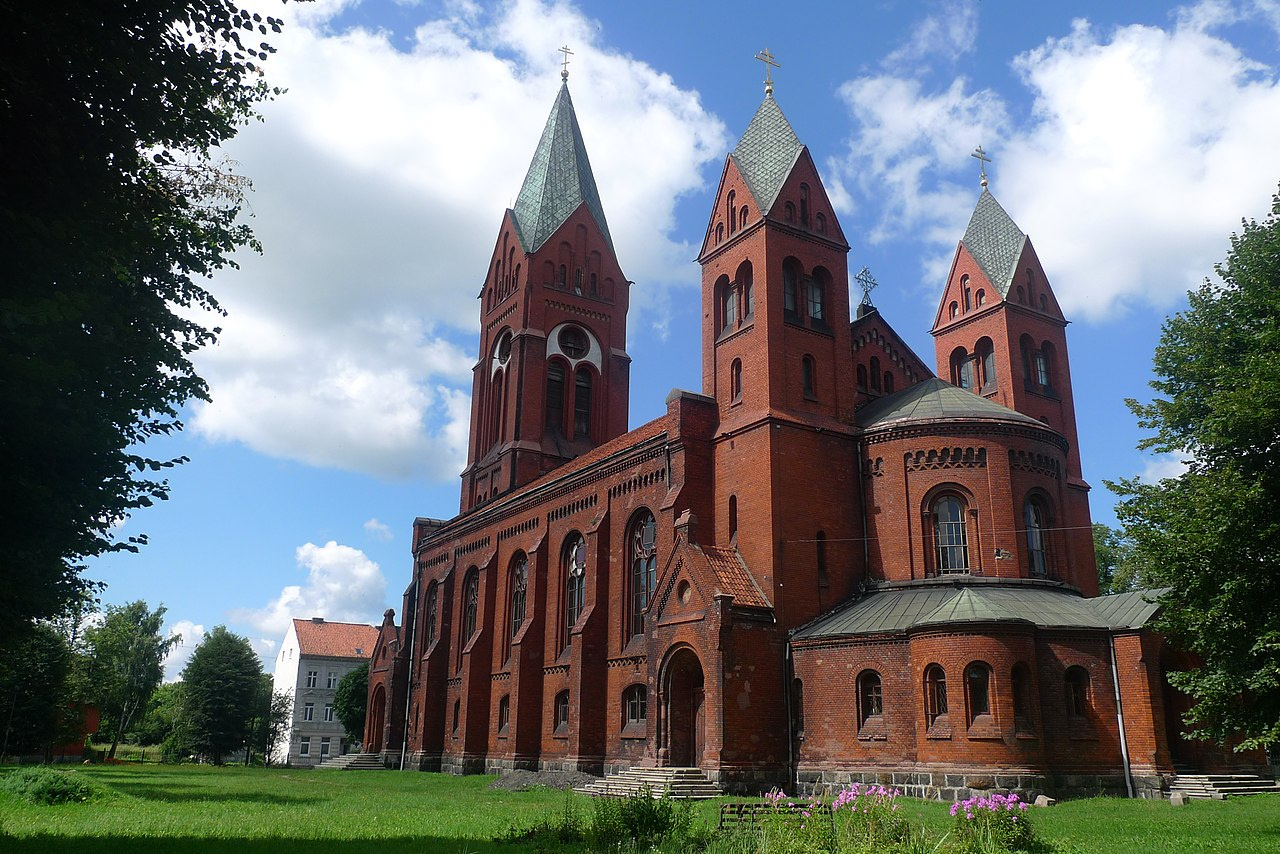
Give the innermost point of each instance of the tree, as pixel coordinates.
(113, 210)
(34, 706)
(162, 717)
(126, 663)
(1211, 533)
(221, 693)
(270, 720)
(351, 700)
(1117, 567)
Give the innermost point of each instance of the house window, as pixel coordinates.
(719, 232)
(504, 714)
(635, 704)
(1077, 685)
(331, 680)
(644, 566)
(324, 747)
(575, 565)
(432, 597)
(328, 713)
(304, 747)
(822, 223)
(807, 378)
(977, 686)
(954, 309)
(312, 676)
(870, 696)
(470, 605)
(519, 581)
(951, 536)
(742, 217)
(935, 694)
(309, 712)
(1033, 517)
(731, 211)
(561, 717)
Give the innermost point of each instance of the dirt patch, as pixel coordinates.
(518, 781)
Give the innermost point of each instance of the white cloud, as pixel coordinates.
(1157, 467)
(1143, 149)
(378, 530)
(953, 31)
(180, 653)
(380, 181)
(342, 584)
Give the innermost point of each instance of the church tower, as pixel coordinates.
(551, 381)
(777, 359)
(999, 333)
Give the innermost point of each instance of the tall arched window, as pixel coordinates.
(735, 379)
(1077, 693)
(733, 518)
(743, 278)
(977, 689)
(742, 217)
(728, 304)
(961, 369)
(582, 403)
(817, 290)
(951, 535)
(575, 584)
(985, 355)
(644, 566)
(731, 212)
(935, 694)
(870, 696)
(519, 584)
(432, 600)
(1033, 518)
(470, 605)
(808, 381)
(560, 718)
(791, 289)
(555, 396)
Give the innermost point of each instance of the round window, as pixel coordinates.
(573, 342)
(504, 349)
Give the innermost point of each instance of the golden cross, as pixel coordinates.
(984, 160)
(564, 72)
(769, 64)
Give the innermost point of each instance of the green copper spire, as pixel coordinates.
(559, 179)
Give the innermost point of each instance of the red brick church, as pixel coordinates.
(828, 565)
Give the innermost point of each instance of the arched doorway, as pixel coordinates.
(377, 720)
(684, 709)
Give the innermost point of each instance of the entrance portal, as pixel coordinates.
(685, 717)
(377, 720)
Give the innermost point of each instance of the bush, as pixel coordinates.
(640, 819)
(47, 786)
(991, 825)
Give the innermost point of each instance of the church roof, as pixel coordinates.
(977, 600)
(320, 637)
(559, 179)
(732, 577)
(932, 400)
(767, 151)
(995, 241)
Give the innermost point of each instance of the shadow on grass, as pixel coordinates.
(96, 844)
(170, 793)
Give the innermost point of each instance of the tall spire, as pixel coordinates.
(767, 152)
(559, 179)
(995, 241)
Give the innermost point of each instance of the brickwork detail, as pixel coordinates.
(1034, 463)
(946, 458)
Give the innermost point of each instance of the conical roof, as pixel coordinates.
(559, 179)
(995, 241)
(932, 400)
(766, 153)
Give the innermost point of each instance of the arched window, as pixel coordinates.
(1020, 683)
(951, 535)
(731, 212)
(804, 204)
(504, 714)
(719, 232)
(747, 297)
(875, 373)
(457, 709)
(582, 403)
(982, 297)
(575, 584)
(790, 289)
(560, 718)
(935, 694)
(519, 584)
(470, 605)
(1022, 295)
(635, 706)
(1033, 518)
(888, 383)
(742, 217)
(555, 396)
(735, 380)
(968, 295)
(644, 566)
(728, 304)
(862, 376)
(822, 223)
(789, 212)
(808, 380)
(1077, 685)
(985, 355)
(733, 518)
(432, 601)
(817, 290)
(961, 369)
(954, 309)
(564, 277)
(977, 690)
(870, 696)
(1042, 370)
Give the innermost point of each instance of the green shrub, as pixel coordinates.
(640, 820)
(993, 824)
(47, 786)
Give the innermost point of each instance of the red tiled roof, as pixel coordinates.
(335, 640)
(732, 577)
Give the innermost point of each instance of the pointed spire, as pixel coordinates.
(995, 241)
(767, 152)
(559, 179)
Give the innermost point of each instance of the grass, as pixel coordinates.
(255, 811)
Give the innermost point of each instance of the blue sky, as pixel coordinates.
(1128, 142)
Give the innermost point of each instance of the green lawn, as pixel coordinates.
(254, 811)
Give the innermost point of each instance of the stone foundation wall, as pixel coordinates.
(950, 785)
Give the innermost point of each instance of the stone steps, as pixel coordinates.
(679, 783)
(354, 762)
(1219, 786)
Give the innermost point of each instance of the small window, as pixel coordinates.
(309, 712)
(981, 297)
(1077, 685)
(804, 204)
(977, 686)
(954, 310)
(328, 713)
(457, 710)
(817, 299)
(735, 380)
(324, 747)
(1044, 303)
(808, 379)
(742, 217)
(561, 717)
(719, 232)
(870, 696)
(733, 518)
(790, 290)
(935, 694)
(731, 212)
(728, 304)
(822, 223)
(304, 747)
(951, 535)
(312, 676)
(332, 680)
(789, 212)
(635, 704)
(504, 714)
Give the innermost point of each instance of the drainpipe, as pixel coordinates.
(408, 687)
(787, 679)
(1124, 742)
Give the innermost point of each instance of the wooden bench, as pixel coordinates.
(739, 813)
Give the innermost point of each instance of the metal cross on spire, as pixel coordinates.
(984, 160)
(867, 282)
(564, 71)
(769, 64)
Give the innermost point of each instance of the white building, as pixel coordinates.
(313, 659)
